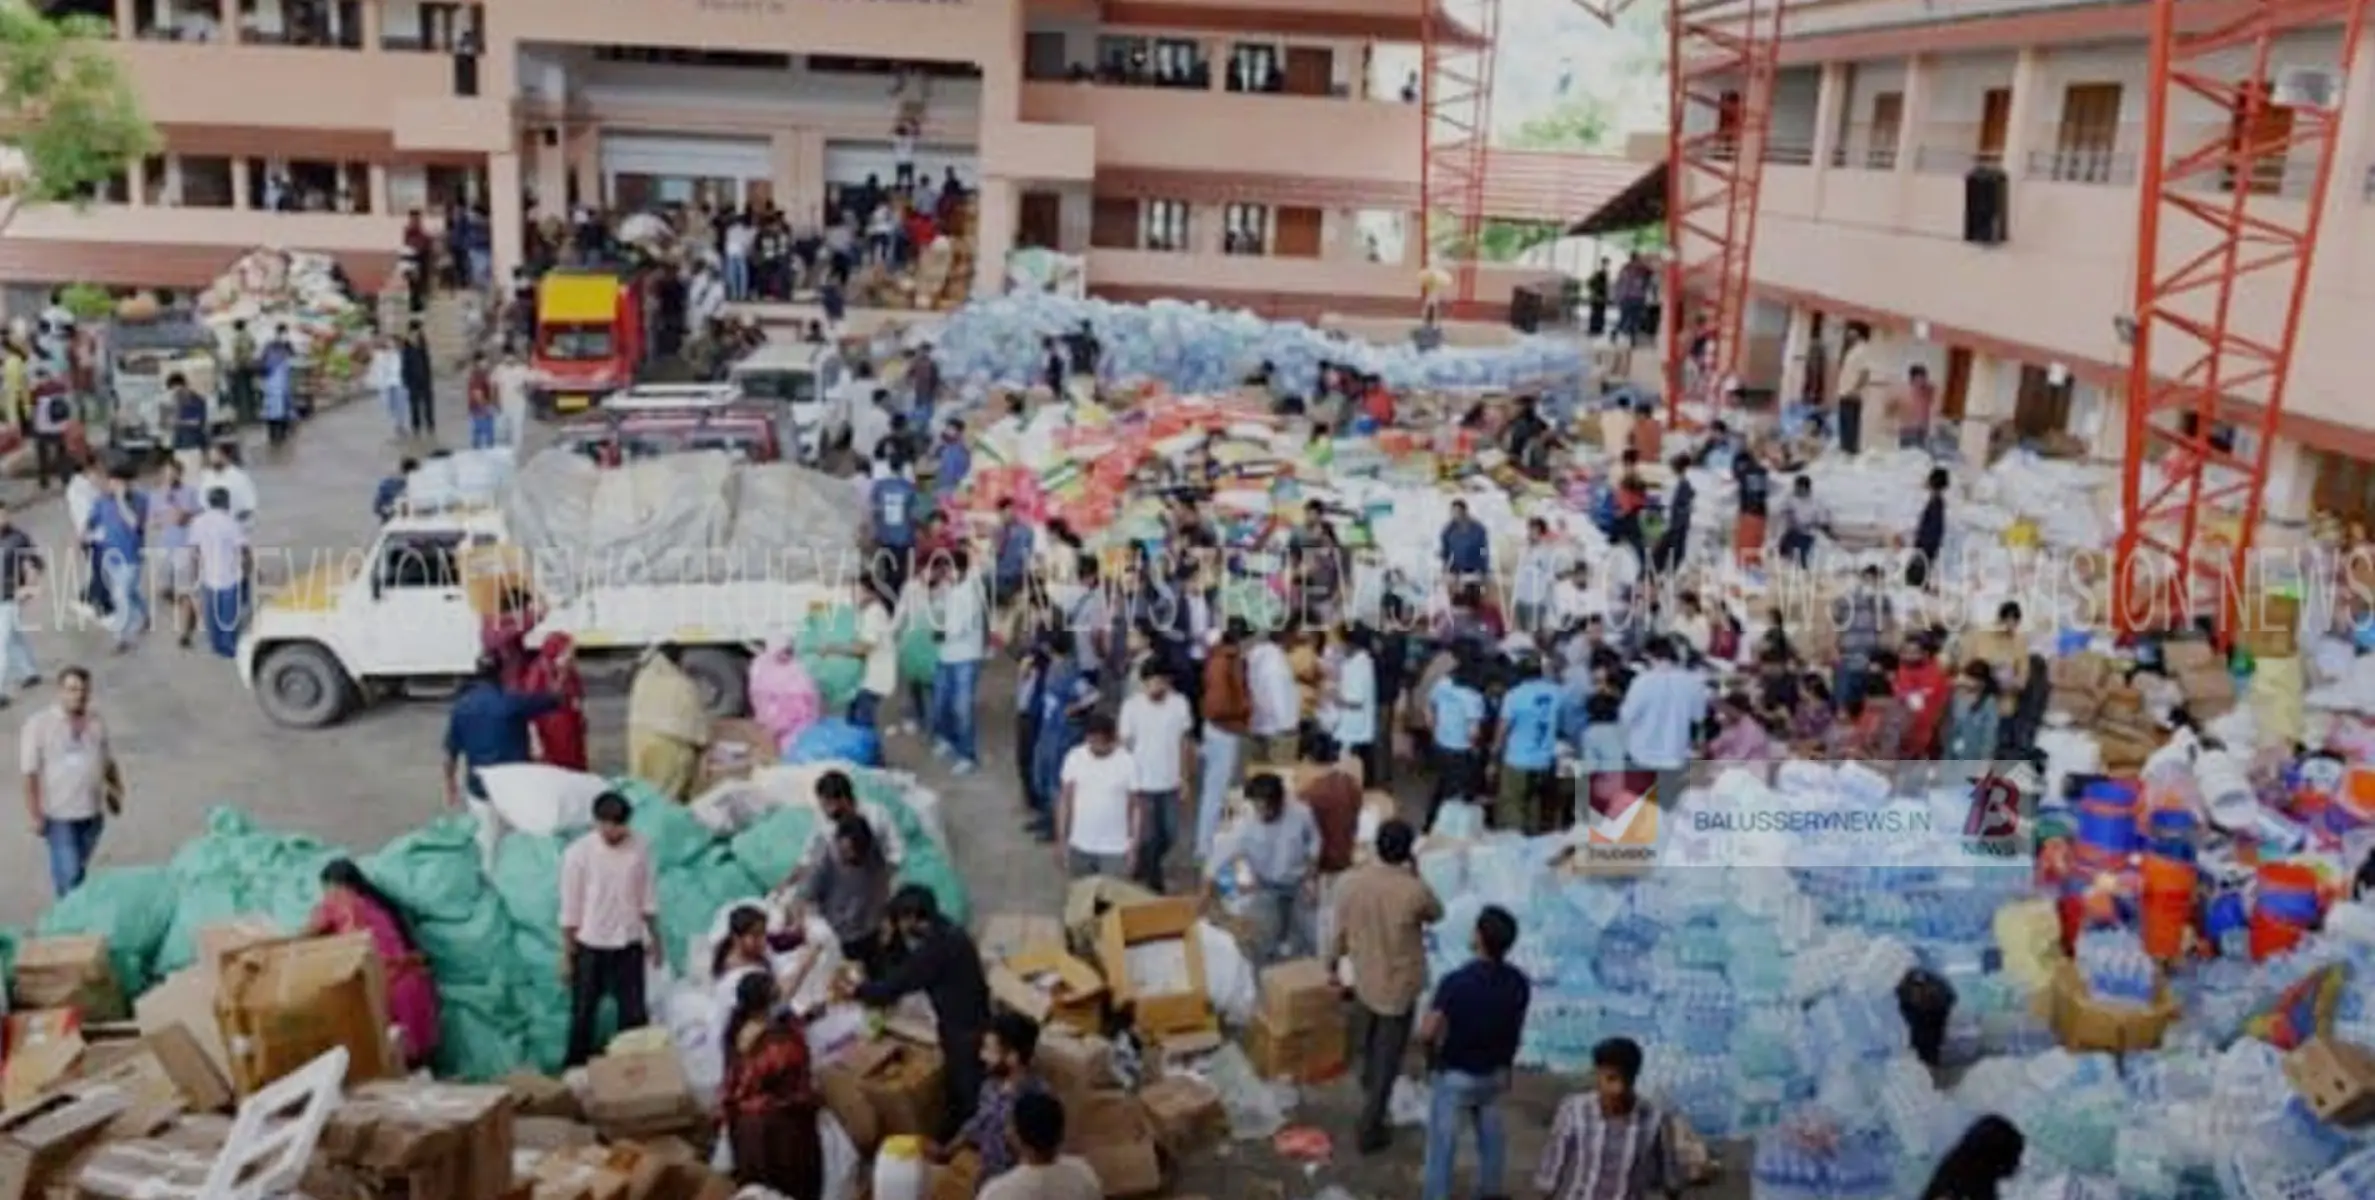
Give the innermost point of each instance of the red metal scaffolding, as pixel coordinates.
(2225, 216)
(1455, 143)
(1719, 90)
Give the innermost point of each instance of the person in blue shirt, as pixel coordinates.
(1457, 707)
(1012, 547)
(391, 489)
(1529, 756)
(1062, 700)
(1466, 548)
(280, 386)
(892, 520)
(1471, 1031)
(488, 727)
(955, 462)
(189, 423)
(118, 533)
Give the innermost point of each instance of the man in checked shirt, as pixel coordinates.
(1609, 1143)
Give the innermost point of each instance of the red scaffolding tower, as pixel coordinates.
(1719, 98)
(2238, 201)
(1455, 143)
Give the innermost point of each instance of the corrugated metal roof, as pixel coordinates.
(1520, 185)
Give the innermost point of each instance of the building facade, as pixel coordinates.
(1882, 110)
(1256, 152)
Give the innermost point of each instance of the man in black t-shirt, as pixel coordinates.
(1756, 494)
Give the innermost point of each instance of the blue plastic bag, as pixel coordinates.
(835, 740)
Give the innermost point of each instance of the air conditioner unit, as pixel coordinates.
(2306, 87)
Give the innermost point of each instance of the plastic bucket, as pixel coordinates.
(2225, 915)
(2165, 906)
(2169, 833)
(2283, 909)
(2106, 827)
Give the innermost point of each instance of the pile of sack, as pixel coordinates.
(271, 288)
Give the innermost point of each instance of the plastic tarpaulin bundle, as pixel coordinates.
(467, 936)
(237, 869)
(927, 855)
(678, 519)
(1195, 348)
(822, 636)
(132, 907)
(464, 478)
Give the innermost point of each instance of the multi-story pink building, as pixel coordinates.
(1257, 157)
(1882, 109)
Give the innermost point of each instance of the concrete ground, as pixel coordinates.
(190, 738)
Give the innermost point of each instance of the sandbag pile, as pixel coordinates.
(271, 288)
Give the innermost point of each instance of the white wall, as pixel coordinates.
(698, 157)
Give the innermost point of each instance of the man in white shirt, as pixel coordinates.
(1662, 708)
(1352, 703)
(878, 649)
(869, 421)
(1155, 728)
(739, 236)
(1041, 1170)
(1538, 569)
(83, 493)
(220, 542)
(1855, 381)
(964, 643)
(511, 397)
(1097, 826)
(1277, 700)
(385, 378)
(223, 471)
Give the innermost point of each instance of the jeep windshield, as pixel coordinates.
(577, 343)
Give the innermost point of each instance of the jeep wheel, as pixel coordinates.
(303, 687)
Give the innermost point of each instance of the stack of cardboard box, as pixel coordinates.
(2336, 1079)
(281, 1004)
(2079, 682)
(1299, 1033)
(67, 972)
(415, 1138)
(2201, 672)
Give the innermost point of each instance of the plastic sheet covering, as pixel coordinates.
(681, 518)
(1195, 348)
(238, 869)
(462, 479)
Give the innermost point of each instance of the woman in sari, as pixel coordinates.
(560, 733)
(350, 904)
(667, 725)
(769, 1099)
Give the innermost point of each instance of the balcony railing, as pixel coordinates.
(1866, 148)
(1789, 152)
(1953, 160)
(2111, 157)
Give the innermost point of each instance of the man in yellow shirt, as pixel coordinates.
(16, 387)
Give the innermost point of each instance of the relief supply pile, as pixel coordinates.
(270, 289)
(1193, 348)
(1761, 965)
(489, 929)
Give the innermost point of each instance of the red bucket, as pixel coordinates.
(2283, 910)
(2166, 903)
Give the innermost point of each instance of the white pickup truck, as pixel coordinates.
(398, 621)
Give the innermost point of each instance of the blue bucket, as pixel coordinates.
(2106, 830)
(2225, 915)
(2169, 832)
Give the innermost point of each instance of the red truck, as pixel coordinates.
(591, 338)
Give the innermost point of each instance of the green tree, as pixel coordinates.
(1578, 123)
(73, 121)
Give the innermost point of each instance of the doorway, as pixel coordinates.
(1310, 71)
(2042, 406)
(2262, 141)
(1995, 120)
(1298, 232)
(1888, 122)
(2088, 139)
(1041, 221)
(1955, 397)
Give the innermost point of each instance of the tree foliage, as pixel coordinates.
(71, 117)
(1577, 123)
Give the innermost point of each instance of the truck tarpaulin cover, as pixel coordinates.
(682, 518)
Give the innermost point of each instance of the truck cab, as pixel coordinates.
(589, 339)
(790, 378)
(137, 358)
(400, 620)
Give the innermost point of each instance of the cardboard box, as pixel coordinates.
(152, 1102)
(2083, 1023)
(283, 1004)
(144, 1169)
(39, 1138)
(1085, 905)
(2187, 656)
(1300, 994)
(639, 1095)
(67, 972)
(1186, 1114)
(1152, 962)
(547, 1134)
(1110, 1132)
(1005, 933)
(959, 1179)
(1305, 1056)
(220, 940)
(2336, 1079)
(1050, 986)
(43, 1047)
(736, 746)
(837, 1084)
(583, 1175)
(185, 1000)
(2082, 705)
(2208, 692)
(178, 1052)
(424, 1139)
(2080, 672)
(903, 1084)
(535, 1095)
(1072, 1065)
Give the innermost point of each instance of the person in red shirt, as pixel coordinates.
(1377, 404)
(560, 733)
(483, 409)
(1921, 684)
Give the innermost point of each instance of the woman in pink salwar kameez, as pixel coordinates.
(784, 698)
(350, 904)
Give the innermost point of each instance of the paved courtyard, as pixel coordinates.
(191, 738)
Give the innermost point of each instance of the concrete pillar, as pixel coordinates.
(2346, 194)
(552, 172)
(2292, 482)
(376, 197)
(1796, 338)
(504, 211)
(993, 235)
(372, 24)
(1830, 101)
(584, 148)
(2021, 126)
(1206, 223)
(227, 14)
(127, 18)
(136, 183)
(240, 199)
(1919, 82)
